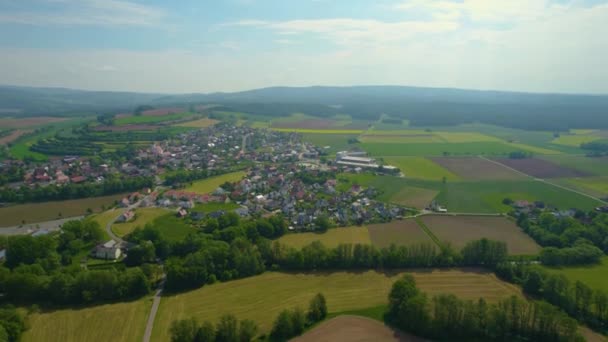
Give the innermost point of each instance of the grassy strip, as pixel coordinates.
(375, 312)
(428, 232)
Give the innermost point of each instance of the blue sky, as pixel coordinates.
(206, 46)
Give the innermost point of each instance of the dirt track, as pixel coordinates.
(354, 329)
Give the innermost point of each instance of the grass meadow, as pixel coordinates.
(420, 168)
(208, 185)
(142, 216)
(593, 276)
(331, 238)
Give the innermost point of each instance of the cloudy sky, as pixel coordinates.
(227, 45)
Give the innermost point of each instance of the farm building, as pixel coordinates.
(126, 216)
(357, 159)
(109, 251)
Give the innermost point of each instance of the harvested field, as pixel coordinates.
(541, 168)
(420, 168)
(331, 238)
(28, 122)
(354, 329)
(306, 124)
(405, 232)
(208, 185)
(46, 211)
(200, 123)
(125, 128)
(458, 230)
(262, 297)
(475, 168)
(414, 197)
(12, 136)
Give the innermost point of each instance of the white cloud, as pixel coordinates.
(86, 12)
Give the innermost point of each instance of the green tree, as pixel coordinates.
(227, 329)
(205, 333)
(247, 330)
(317, 310)
(184, 330)
(282, 328)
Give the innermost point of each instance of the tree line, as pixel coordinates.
(113, 184)
(448, 318)
(575, 298)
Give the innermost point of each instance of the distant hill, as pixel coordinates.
(422, 106)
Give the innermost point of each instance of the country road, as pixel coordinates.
(111, 222)
(154, 310)
(544, 180)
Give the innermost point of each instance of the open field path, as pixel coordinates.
(546, 181)
(154, 310)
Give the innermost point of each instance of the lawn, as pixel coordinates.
(142, 216)
(401, 233)
(420, 167)
(111, 322)
(331, 238)
(200, 123)
(46, 211)
(172, 227)
(214, 206)
(459, 230)
(262, 297)
(209, 185)
(147, 119)
(593, 276)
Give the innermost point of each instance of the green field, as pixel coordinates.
(262, 297)
(401, 233)
(593, 276)
(142, 216)
(336, 142)
(576, 138)
(149, 119)
(172, 227)
(439, 149)
(214, 206)
(111, 322)
(414, 197)
(421, 168)
(47, 211)
(331, 238)
(319, 131)
(200, 123)
(208, 185)
(596, 186)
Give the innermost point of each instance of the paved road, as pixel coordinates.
(154, 310)
(33, 227)
(545, 181)
(111, 222)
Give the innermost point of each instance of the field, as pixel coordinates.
(262, 297)
(414, 197)
(112, 322)
(12, 136)
(173, 228)
(595, 186)
(474, 168)
(149, 119)
(420, 168)
(458, 230)
(40, 212)
(208, 185)
(576, 138)
(401, 233)
(35, 121)
(354, 328)
(541, 168)
(331, 238)
(593, 276)
(142, 216)
(200, 123)
(126, 128)
(594, 166)
(307, 122)
(438, 149)
(335, 142)
(319, 131)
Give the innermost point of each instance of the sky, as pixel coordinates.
(189, 46)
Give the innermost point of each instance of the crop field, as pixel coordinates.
(439, 149)
(595, 186)
(576, 138)
(355, 328)
(320, 131)
(200, 123)
(414, 197)
(126, 128)
(208, 185)
(401, 233)
(397, 137)
(31, 122)
(331, 238)
(46, 211)
(458, 230)
(303, 121)
(541, 168)
(593, 276)
(593, 166)
(111, 322)
(142, 216)
(148, 119)
(475, 168)
(262, 297)
(421, 168)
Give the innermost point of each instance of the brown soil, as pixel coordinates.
(542, 168)
(354, 329)
(474, 168)
(401, 233)
(14, 135)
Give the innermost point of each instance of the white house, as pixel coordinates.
(109, 251)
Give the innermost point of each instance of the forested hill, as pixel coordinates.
(422, 106)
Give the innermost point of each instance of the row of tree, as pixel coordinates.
(445, 317)
(111, 185)
(575, 298)
(12, 324)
